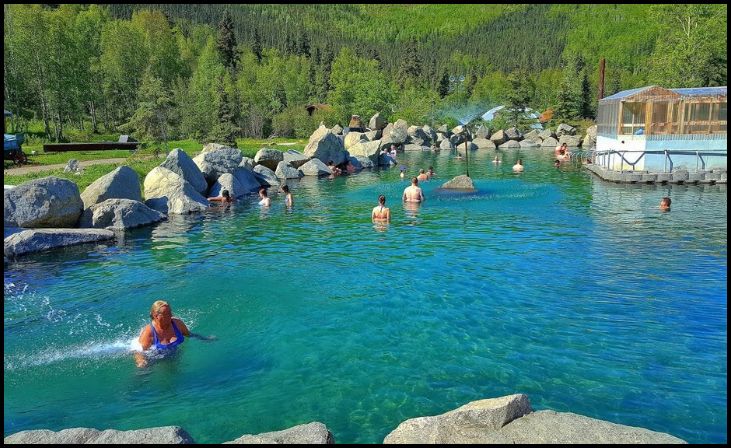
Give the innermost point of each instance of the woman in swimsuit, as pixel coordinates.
(381, 213)
(164, 333)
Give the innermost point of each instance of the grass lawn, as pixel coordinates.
(142, 160)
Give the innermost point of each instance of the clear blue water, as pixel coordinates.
(577, 292)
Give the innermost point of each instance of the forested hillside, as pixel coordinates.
(218, 71)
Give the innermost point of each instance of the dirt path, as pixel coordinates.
(13, 171)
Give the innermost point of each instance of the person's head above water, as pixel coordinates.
(665, 202)
(263, 191)
(225, 194)
(414, 181)
(285, 188)
(382, 200)
(160, 308)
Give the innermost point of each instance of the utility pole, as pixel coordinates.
(601, 78)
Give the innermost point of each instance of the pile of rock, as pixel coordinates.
(503, 420)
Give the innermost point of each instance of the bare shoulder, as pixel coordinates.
(183, 328)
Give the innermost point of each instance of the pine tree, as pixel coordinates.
(256, 46)
(303, 49)
(518, 97)
(410, 68)
(226, 42)
(444, 85)
(224, 131)
(151, 120)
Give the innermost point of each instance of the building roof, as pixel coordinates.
(695, 91)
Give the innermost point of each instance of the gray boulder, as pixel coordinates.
(269, 157)
(510, 144)
(286, 171)
(72, 166)
(529, 144)
(337, 129)
(549, 142)
(168, 192)
(461, 182)
(268, 176)
(590, 138)
(218, 161)
(457, 139)
(295, 158)
(446, 144)
(498, 137)
(353, 138)
(483, 143)
(467, 424)
(315, 167)
(119, 214)
(247, 180)
(513, 134)
(45, 202)
(373, 135)
(364, 162)
(212, 147)
(122, 183)
(377, 122)
(228, 182)
(564, 129)
(179, 162)
(482, 132)
(417, 136)
(415, 147)
(547, 133)
(248, 163)
(533, 136)
(431, 133)
(571, 140)
(77, 436)
(565, 428)
(325, 146)
(368, 150)
(36, 240)
(310, 433)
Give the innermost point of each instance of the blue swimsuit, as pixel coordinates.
(156, 342)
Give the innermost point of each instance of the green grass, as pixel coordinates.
(142, 161)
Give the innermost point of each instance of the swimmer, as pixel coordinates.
(557, 163)
(225, 197)
(413, 192)
(265, 200)
(431, 172)
(381, 213)
(518, 167)
(334, 169)
(422, 175)
(665, 204)
(403, 173)
(496, 160)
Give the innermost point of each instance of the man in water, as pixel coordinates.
(413, 192)
(518, 167)
(422, 175)
(665, 204)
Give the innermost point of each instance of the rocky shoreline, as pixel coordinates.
(503, 420)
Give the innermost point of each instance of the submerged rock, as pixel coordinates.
(460, 183)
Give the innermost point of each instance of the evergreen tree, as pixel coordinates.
(152, 119)
(570, 101)
(470, 83)
(303, 49)
(224, 131)
(410, 68)
(444, 85)
(256, 46)
(518, 97)
(226, 42)
(586, 104)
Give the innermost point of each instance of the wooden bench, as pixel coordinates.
(103, 146)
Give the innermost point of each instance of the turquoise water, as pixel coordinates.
(579, 293)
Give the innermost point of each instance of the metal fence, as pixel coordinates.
(604, 158)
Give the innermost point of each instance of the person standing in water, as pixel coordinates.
(413, 192)
(287, 196)
(381, 213)
(265, 201)
(518, 167)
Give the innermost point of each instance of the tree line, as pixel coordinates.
(217, 72)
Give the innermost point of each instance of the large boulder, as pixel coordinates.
(457, 139)
(45, 202)
(364, 162)
(570, 140)
(590, 138)
(295, 158)
(36, 240)
(248, 163)
(178, 161)
(415, 147)
(315, 167)
(483, 143)
(533, 136)
(446, 144)
(78, 436)
(565, 129)
(529, 144)
(228, 182)
(444, 129)
(565, 428)
(431, 133)
(212, 147)
(510, 144)
(269, 157)
(395, 133)
(547, 133)
(482, 132)
(353, 138)
(337, 129)
(168, 192)
(513, 134)
(498, 137)
(325, 146)
(218, 161)
(549, 142)
(467, 424)
(122, 183)
(377, 122)
(461, 182)
(417, 136)
(247, 180)
(266, 175)
(286, 171)
(310, 433)
(369, 150)
(119, 214)
(373, 135)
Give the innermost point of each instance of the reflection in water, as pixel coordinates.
(380, 226)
